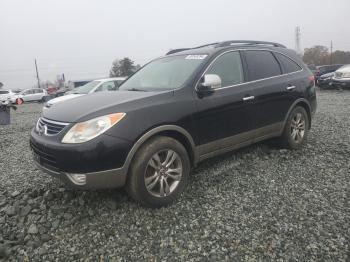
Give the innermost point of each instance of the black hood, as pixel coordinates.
(98, 104)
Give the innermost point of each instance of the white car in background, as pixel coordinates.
(7, 95)
(342, 77)
(31, 95)
(100, 85)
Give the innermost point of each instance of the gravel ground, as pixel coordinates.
(258, 203)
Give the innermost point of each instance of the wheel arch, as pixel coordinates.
(173, 131)
(303, 103)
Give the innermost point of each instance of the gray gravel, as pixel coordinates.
(259, 203)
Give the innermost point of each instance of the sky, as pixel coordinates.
(81, 38)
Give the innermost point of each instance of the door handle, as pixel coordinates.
(247, 98)
(290, 87)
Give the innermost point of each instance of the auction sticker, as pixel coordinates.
(196, 57)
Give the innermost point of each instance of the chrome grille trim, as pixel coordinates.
(49, 127)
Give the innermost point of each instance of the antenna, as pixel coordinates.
(297, 41)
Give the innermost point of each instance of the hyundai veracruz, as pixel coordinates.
(179, 109)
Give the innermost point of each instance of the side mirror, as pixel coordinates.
(208, 83)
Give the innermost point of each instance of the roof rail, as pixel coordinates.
(248, 42)
(173, 51)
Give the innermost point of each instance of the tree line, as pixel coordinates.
(320, 55)
(123, 67)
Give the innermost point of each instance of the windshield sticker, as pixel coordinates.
(196, 57)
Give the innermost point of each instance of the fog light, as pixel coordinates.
(78, 179)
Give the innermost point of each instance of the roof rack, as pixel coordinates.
(183, 49)
(248, 42)
(228, 43)
(173, 51)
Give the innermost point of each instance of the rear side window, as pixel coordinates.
(229, 67)
(261, 64)
(4, 92)
(288, 65)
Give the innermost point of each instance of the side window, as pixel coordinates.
(117, 83)
(107, 86)
(261, 64)
(288, 65)
(229, 68)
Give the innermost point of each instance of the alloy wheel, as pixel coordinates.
(163, 173)
(297, 128)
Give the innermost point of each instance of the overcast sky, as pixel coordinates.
(81, 38)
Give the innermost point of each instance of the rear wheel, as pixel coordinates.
(296, 129)
(158, 172)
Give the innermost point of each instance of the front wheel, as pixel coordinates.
(158, 172)
(296, 129)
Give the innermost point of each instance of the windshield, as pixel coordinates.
(85, 89)
(164, 73)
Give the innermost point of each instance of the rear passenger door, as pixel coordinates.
(28, 95)
(275, 91)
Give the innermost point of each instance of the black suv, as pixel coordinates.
(177, 110)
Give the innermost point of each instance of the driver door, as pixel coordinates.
(224, 117)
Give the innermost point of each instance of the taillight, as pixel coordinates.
(312, 79)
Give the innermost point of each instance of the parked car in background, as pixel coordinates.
(100, 85)
(342, 77)
(76, 83)
(324, 69)
(173, 113)
(7, 95)
(32, 95)
(325, 80)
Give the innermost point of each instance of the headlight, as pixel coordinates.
(85, 131)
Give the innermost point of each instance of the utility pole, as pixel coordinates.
(331, 56)
(297, 41)
(37, 74)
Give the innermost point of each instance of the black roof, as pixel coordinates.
(214, 47)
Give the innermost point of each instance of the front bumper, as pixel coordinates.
(104, 179)
(99, 161)
(341, 82)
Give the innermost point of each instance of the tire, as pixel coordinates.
(295, 133)
(149, 167)
(19, 101)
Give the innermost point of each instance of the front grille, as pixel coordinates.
(44, 157)
(49, 127)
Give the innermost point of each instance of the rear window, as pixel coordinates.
(288, 65)
(261, 64)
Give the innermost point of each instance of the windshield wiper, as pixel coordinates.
(135, 89)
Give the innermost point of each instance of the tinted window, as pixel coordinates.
(28, 92)
(289, 66)
(4, 92)
(261, 64)
(107, 86)
(229, 68)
